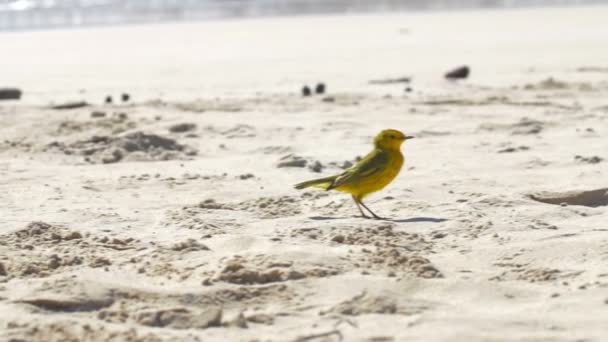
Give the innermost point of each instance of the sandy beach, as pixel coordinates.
(172, 216)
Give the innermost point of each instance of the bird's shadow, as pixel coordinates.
(326, 218)
(406, 220)
(418, 219)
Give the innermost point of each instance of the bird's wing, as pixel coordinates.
(374, 162)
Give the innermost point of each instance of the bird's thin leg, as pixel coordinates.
(370, 211)
(359, 207)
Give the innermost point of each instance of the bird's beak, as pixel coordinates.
(407, 137)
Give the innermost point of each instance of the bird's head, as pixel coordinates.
(390, 139)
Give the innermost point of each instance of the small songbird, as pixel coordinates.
(372, 173)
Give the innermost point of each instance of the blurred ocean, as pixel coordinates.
(42, 14)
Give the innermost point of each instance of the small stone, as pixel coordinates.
(98, 114)
(54, 261)
(10, 94)
(320, 88)
(458, 73)
(100, 262)
(292, 161)
(73, 236)
(316, 166)
(338, 238)
(306, 91)
(246, 176)
(439, 235)
(182, 127)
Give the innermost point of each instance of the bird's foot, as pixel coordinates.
(376, 217)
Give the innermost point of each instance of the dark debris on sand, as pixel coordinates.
(136, 146)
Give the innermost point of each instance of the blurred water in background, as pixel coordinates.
(43, 14)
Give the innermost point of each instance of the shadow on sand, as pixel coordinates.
(327, 218)
(407, 220)
(418, 219)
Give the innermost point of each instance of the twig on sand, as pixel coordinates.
(319, 335)
(70, 105)
(391, 80)
(345, 320)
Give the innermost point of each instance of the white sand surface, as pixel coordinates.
(121, 226)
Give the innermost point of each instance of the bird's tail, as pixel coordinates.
(322, 183)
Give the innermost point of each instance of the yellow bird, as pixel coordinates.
(372, 173)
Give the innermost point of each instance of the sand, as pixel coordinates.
(168, 217)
